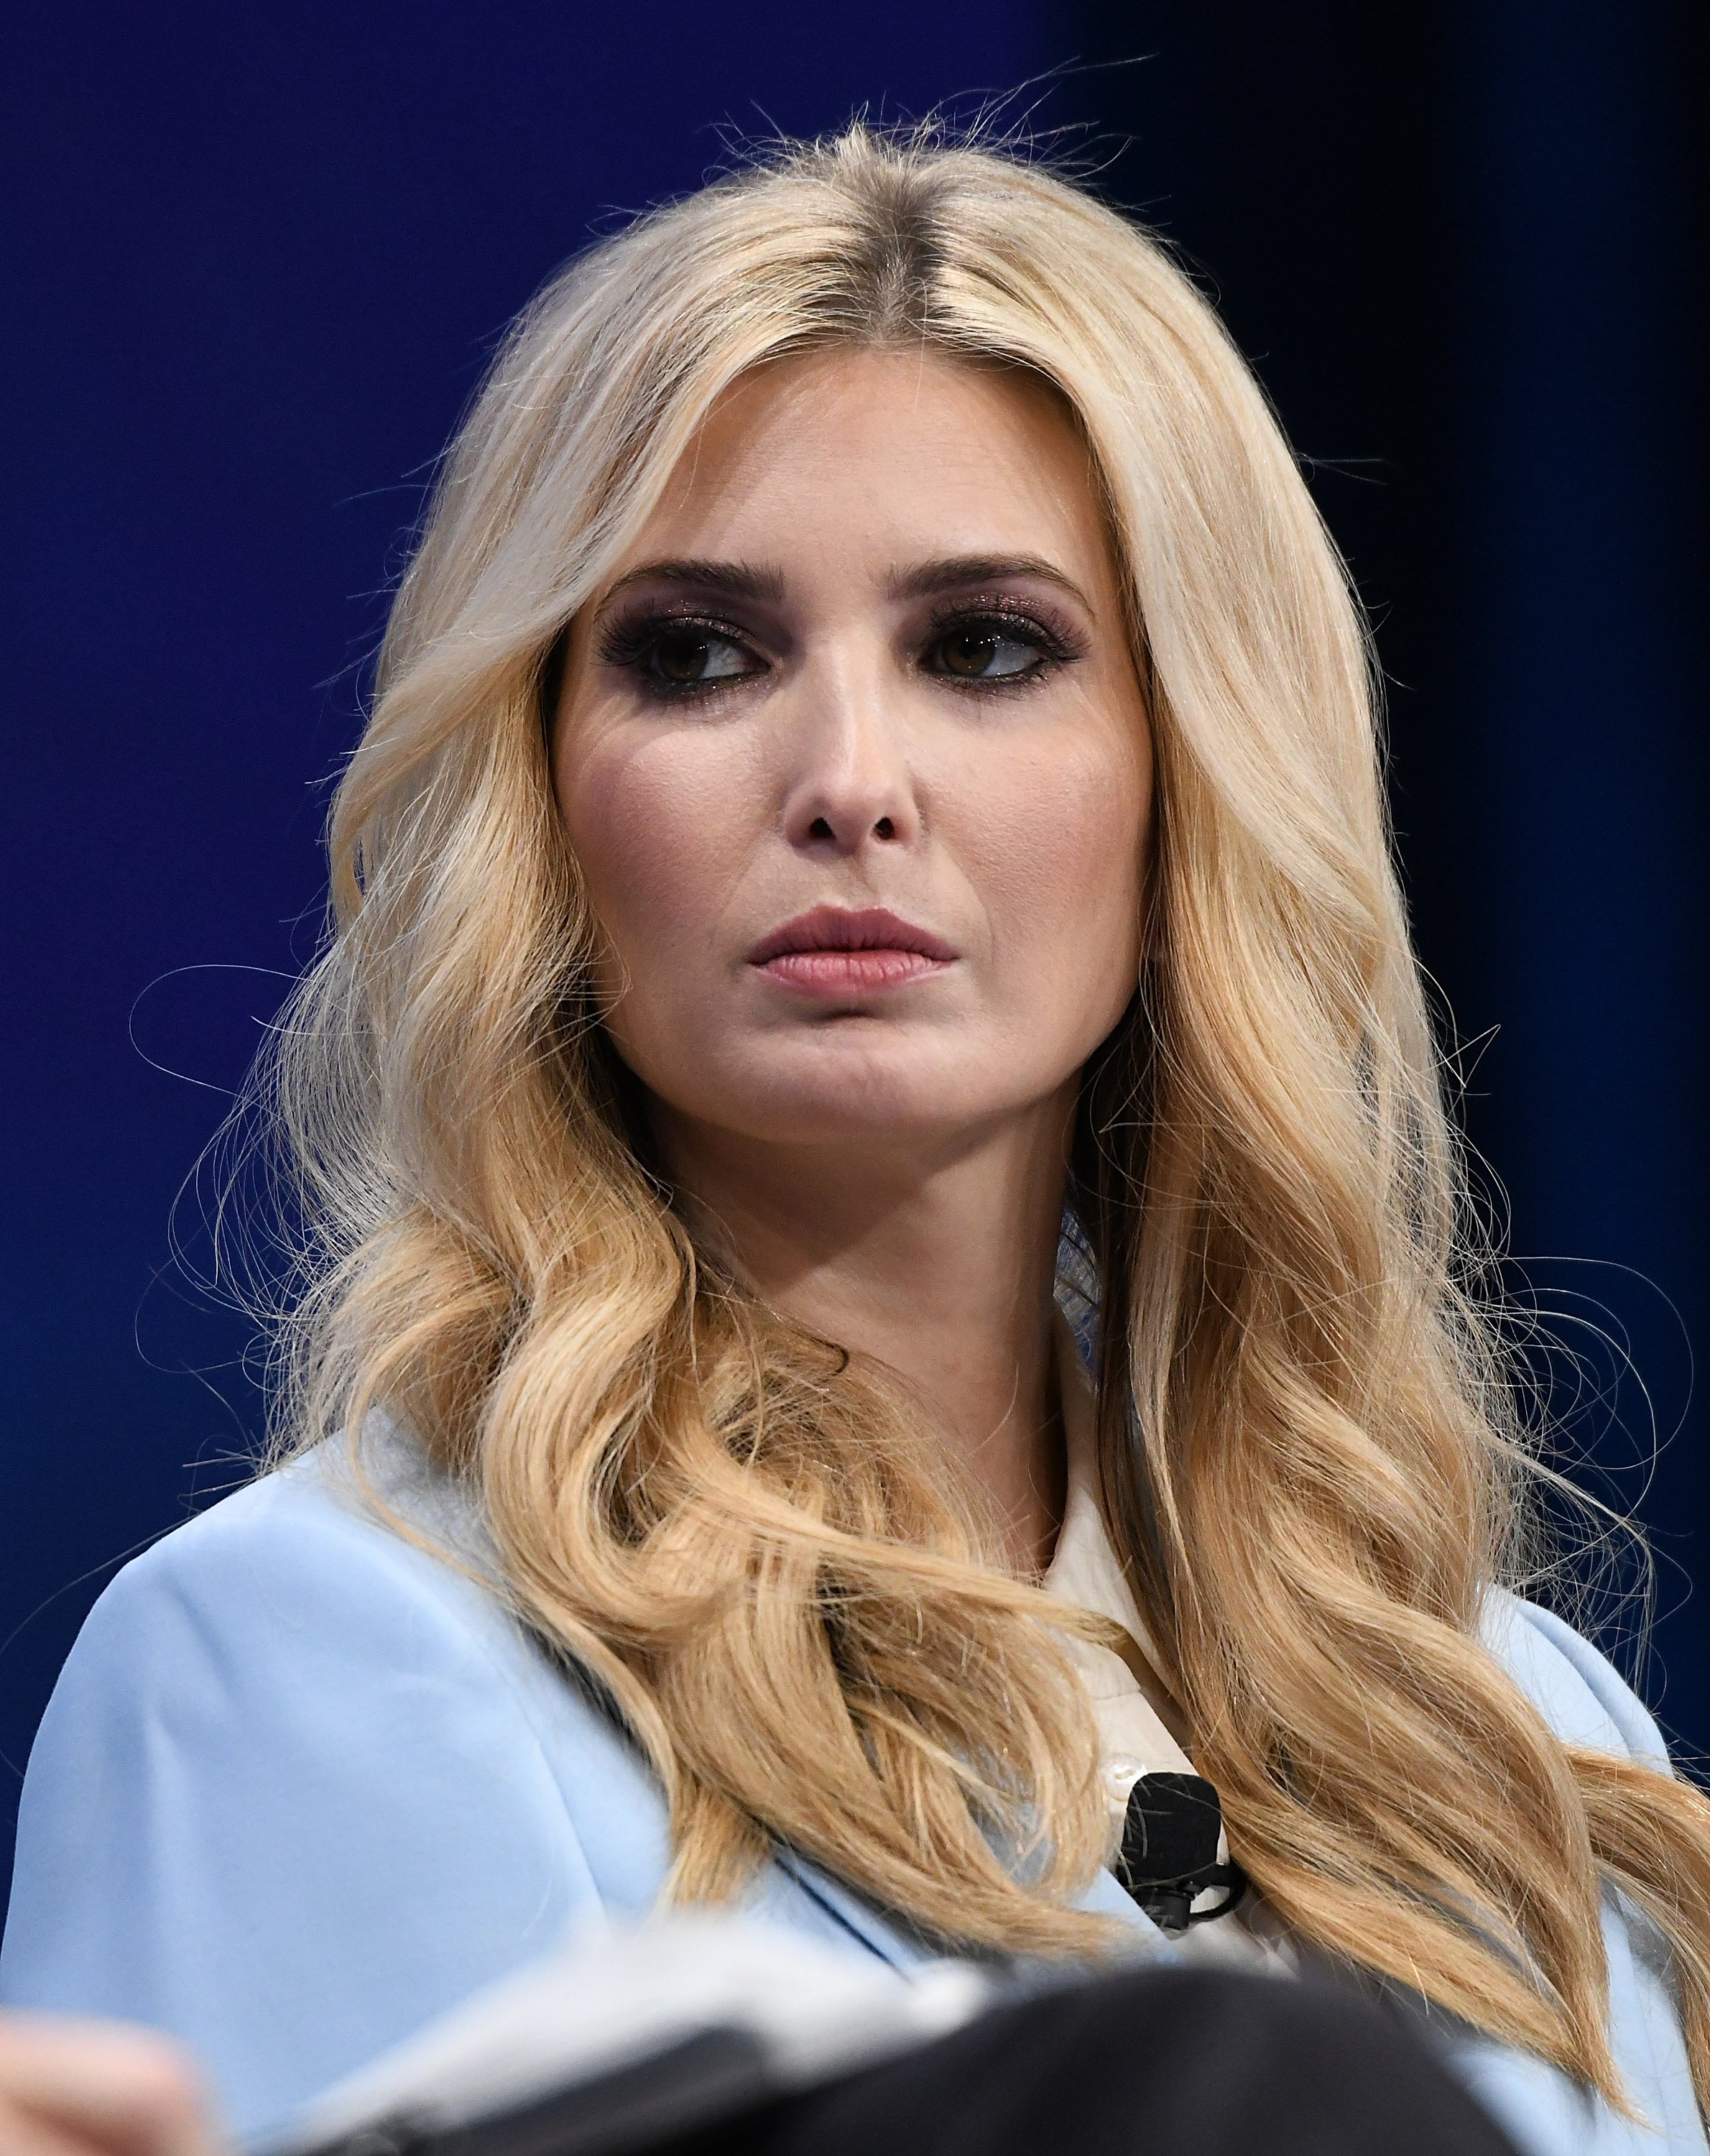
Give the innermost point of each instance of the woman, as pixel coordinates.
(873, 766)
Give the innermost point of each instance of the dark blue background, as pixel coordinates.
(254, 261)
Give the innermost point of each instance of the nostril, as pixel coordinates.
(884, 829)
(819, 829)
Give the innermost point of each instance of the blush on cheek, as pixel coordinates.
(637, 842)
(1070, 844)
(663, 821)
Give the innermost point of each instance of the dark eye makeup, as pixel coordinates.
(986, 646)
(674, 655)
(995, 644)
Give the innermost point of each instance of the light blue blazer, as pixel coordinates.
(303, 1785)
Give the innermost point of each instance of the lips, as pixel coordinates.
(832, 950)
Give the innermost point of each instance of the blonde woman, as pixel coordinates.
(869, 1093)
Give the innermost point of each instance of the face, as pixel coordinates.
(852, 756)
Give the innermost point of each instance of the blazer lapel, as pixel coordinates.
(895, 1943)
(882, 1937)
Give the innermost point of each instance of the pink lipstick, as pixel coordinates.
(831, 952)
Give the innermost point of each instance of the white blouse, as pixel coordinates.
(1133, 1740)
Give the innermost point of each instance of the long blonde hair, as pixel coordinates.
(749, 1539)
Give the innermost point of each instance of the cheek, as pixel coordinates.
(653, 833)
(1065, 854)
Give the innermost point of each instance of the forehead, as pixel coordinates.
(905, 452)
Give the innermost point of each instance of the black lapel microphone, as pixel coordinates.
(1174, 1859)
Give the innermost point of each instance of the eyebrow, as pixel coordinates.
(956, 573)
(951, 573)
(733, 580)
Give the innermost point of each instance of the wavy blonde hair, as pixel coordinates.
(750, 1540)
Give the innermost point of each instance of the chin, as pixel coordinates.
(849, 1091)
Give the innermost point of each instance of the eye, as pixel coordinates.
(988, 649)
(686, 655)
(670, 656)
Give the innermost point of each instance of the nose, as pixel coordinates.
(853, 786)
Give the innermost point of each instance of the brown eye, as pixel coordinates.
(689, 657)
(984, 651)
(969, 654)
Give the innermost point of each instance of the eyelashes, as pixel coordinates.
(997, 647)
(673, 654)
(985, 647)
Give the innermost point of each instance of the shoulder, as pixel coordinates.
(296, 1633)
(295, 1561)
(303, 1785)
(330, 1518)
(283, 1604)
(1586, 1702)
(1577, 1690)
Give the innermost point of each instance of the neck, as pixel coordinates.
(940, 1265)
